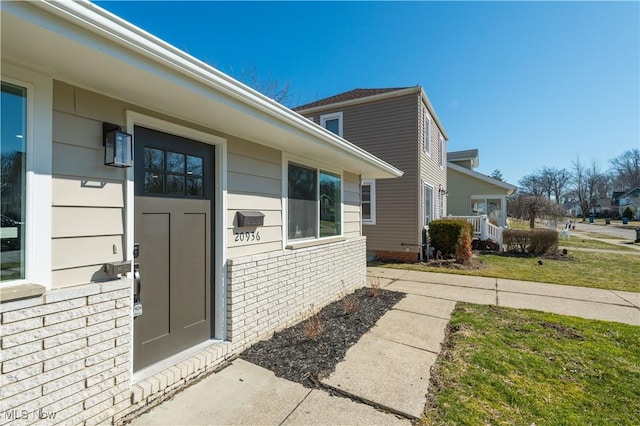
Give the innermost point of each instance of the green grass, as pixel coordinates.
(576, 241)
(617, 271)
(519, 367)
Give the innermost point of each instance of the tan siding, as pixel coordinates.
(83, 222)
(83, 251)
(69, 191)
(73, 160)
(254, 183)
(76, 276)
(74, 130)
(351, 205)
(430, 170)
(388, 129)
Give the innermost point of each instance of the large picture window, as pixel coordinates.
(314, 203)
(13, 181)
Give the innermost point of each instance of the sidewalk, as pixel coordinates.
(387, 372)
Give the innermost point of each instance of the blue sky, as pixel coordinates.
(530, 84)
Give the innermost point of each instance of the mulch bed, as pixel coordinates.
(292, 355)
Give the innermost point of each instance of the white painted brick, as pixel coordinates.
(107, 315)
(94, 410)
(41, 333)
(123, 358)
(65, 397)
(99, 335)
(21, 350)
(122, 321)
(123, 303)
(20, 326)
(137, 394)
(21, 374)
(41, 310)
(124, 377)
(64, 338)
(22, 397)
(113, 285)
(78, 376)
(21, 304)
(109, 354)
(108, 393)
(70, 314)
(69, 293)
(112, 295)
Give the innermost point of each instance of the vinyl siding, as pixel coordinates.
(462, 187)
(430, 170)
(351, 203)
(388, 129)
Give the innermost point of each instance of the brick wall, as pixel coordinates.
(270, 291)
(400, 256)
(66, 355)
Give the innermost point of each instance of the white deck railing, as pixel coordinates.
(482, 228)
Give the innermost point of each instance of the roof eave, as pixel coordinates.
(480, 176)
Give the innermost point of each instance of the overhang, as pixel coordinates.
(84, 45)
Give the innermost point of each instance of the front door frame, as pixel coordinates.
(219, 199)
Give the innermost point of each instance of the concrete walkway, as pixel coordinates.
(386, 374)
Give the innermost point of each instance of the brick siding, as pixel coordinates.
(66, 355)
(397, 256)
(270, 291)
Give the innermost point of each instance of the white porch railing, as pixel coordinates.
(482, 228)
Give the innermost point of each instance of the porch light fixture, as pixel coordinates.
(442, 191)
(118, 146)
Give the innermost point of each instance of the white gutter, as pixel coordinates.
(116, 29)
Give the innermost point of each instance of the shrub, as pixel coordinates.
(312, 326)
(444, 234)
(628, 213)
(543, 241)
(538, 241)
(463, 249)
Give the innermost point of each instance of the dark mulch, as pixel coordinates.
(292, 355)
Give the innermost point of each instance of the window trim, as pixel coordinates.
(38, 202)
(318, 167)
(332, 116)
(442, 151)
(424, 203)
(372, 201)
(427, 133)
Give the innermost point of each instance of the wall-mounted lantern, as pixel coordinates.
(442, 191)
(118, 146)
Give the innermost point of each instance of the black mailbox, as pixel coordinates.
(250, 219)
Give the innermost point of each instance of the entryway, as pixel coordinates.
(173, 227)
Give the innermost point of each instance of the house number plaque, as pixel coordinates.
(246, 237)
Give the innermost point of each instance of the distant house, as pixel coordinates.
(472, 193)
(631, 199)
(158, 216)
(400, 126)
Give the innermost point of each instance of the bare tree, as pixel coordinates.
(531, 207)
(271, 87)
(561, 181)
(531, 185)
(546, 177)
(587, 181)
(626, 170)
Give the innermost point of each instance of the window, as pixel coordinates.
(172, 173)
(427, 206)
(368, 202)
(332, 122)
(442, 151)
(25, 181)
(314, 207)
(427, 133)
(13, 180)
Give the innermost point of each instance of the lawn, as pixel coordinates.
(576, 241)
(519, 367)
(617, 271)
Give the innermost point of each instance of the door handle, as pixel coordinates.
(138, 281)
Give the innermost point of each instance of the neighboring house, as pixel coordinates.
(400, 126)
(615, 203)
(472, 193)
(631, 199)
(220, 212)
